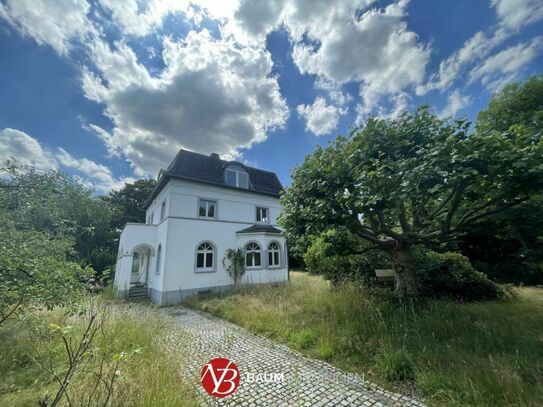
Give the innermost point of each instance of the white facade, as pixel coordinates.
(167, 245)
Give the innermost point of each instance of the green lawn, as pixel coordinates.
(148, 377)
(481, 354)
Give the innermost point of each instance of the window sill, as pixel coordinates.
(202, 271)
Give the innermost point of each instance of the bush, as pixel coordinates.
(331, 255)
(451, 275)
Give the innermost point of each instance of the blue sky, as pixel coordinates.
(109, 91)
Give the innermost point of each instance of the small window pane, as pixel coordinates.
(211, 209)
(202, 210)
(209, 260)
(200, 260)
(231, 178)
(276, 258)
(257, 259)
(243, 180)
(270, 259)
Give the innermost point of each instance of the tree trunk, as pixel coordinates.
(406, 284)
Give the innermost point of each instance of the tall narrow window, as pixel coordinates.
(151, 218)
(162, 211)
(273, 254)
(158, 256)
(205, 257)
(262, 215)
(231, 178)
(207, 208)
(252, 255)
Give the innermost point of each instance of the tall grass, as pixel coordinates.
(147, 375)
(480, 354)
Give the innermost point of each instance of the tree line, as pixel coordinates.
(56, 234)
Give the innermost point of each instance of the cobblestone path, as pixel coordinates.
(200, 337)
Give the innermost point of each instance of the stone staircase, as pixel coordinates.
(138, 292)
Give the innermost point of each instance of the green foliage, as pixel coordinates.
(518, 105)
(471, 354)
(146, 374)
(129, 201)
(451, 275)
(35, 270)
(339, 256)
(508, 247)
(234, 262)
(395, 364)
(55, 203)
(413, 180)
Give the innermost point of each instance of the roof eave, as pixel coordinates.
(165, 176)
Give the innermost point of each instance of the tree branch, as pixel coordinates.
(402, 215)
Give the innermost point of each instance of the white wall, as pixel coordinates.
(233, 205)
(184, 235)
(182, 230)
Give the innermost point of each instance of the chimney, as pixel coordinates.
(214, 155)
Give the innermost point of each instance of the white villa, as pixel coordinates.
(201, 207)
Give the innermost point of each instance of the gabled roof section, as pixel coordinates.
(206, 169)
(260, 229)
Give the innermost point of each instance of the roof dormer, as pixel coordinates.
(236, 176)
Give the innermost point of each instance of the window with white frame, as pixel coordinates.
(252, 255)
(236, 178)
(262, 215)
(273, 254)
(162, 211)
(207, 208)
(205, 257)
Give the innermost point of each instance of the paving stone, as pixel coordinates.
(200, 337)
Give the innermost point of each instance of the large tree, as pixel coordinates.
(509, 246)
(411, 180)
(130, 200)
(57, 204)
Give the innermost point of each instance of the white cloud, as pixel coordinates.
(53, 23)
(140, 18)
(96, 176)
(515, 14)
(212, 96)
(28, 151)
(455, 102)
(506, 65)
(474, 48)
(343, 42)
(25, 149)
(512, 15)
(320, 118)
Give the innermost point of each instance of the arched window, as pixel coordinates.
(252, 255)
(205, 257)
(273, 254)
(158, 256)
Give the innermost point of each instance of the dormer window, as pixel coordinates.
(237, 178)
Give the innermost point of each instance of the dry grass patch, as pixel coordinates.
(479, 354)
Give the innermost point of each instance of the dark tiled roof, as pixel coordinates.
(210, 170)
(259, 229)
